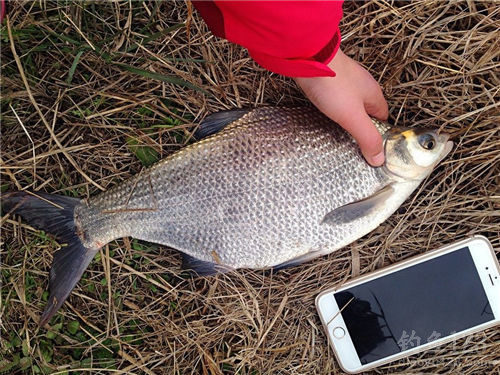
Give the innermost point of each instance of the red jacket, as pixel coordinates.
(292, 38)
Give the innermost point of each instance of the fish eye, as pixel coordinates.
(427, 141)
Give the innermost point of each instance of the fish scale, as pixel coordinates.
(257, 188)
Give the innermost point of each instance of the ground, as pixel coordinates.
(94, 91)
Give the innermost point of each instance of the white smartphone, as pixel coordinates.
(417, 304)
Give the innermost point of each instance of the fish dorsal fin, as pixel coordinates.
(352, 211)
(201, 267)
(217, 121)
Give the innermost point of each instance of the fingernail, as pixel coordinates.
(378, 159)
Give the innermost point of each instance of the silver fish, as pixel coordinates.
(269, 187)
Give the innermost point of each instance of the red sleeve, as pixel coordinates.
(291, 38)
(2, 10)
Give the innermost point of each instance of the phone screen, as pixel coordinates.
(413, 306)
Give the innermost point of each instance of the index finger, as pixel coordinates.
(361, 127)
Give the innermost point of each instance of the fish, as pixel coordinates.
(261, 188)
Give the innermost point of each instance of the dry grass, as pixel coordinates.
(438, 63)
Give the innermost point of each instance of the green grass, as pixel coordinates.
(20, 352)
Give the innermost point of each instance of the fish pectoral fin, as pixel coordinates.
(201, 267)
(217, 121)
(352, 211)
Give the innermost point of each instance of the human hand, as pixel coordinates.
(349, 99)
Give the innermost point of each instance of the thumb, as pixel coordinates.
(361, 127)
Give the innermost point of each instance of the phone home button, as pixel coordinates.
(338, 332)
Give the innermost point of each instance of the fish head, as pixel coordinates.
(411, 154)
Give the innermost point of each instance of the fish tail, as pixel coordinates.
(54, 214)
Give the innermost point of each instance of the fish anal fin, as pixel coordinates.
(217, 121)
(201, 267)
(297, 260)
(352, 211)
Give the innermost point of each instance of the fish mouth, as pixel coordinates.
(448, 145)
